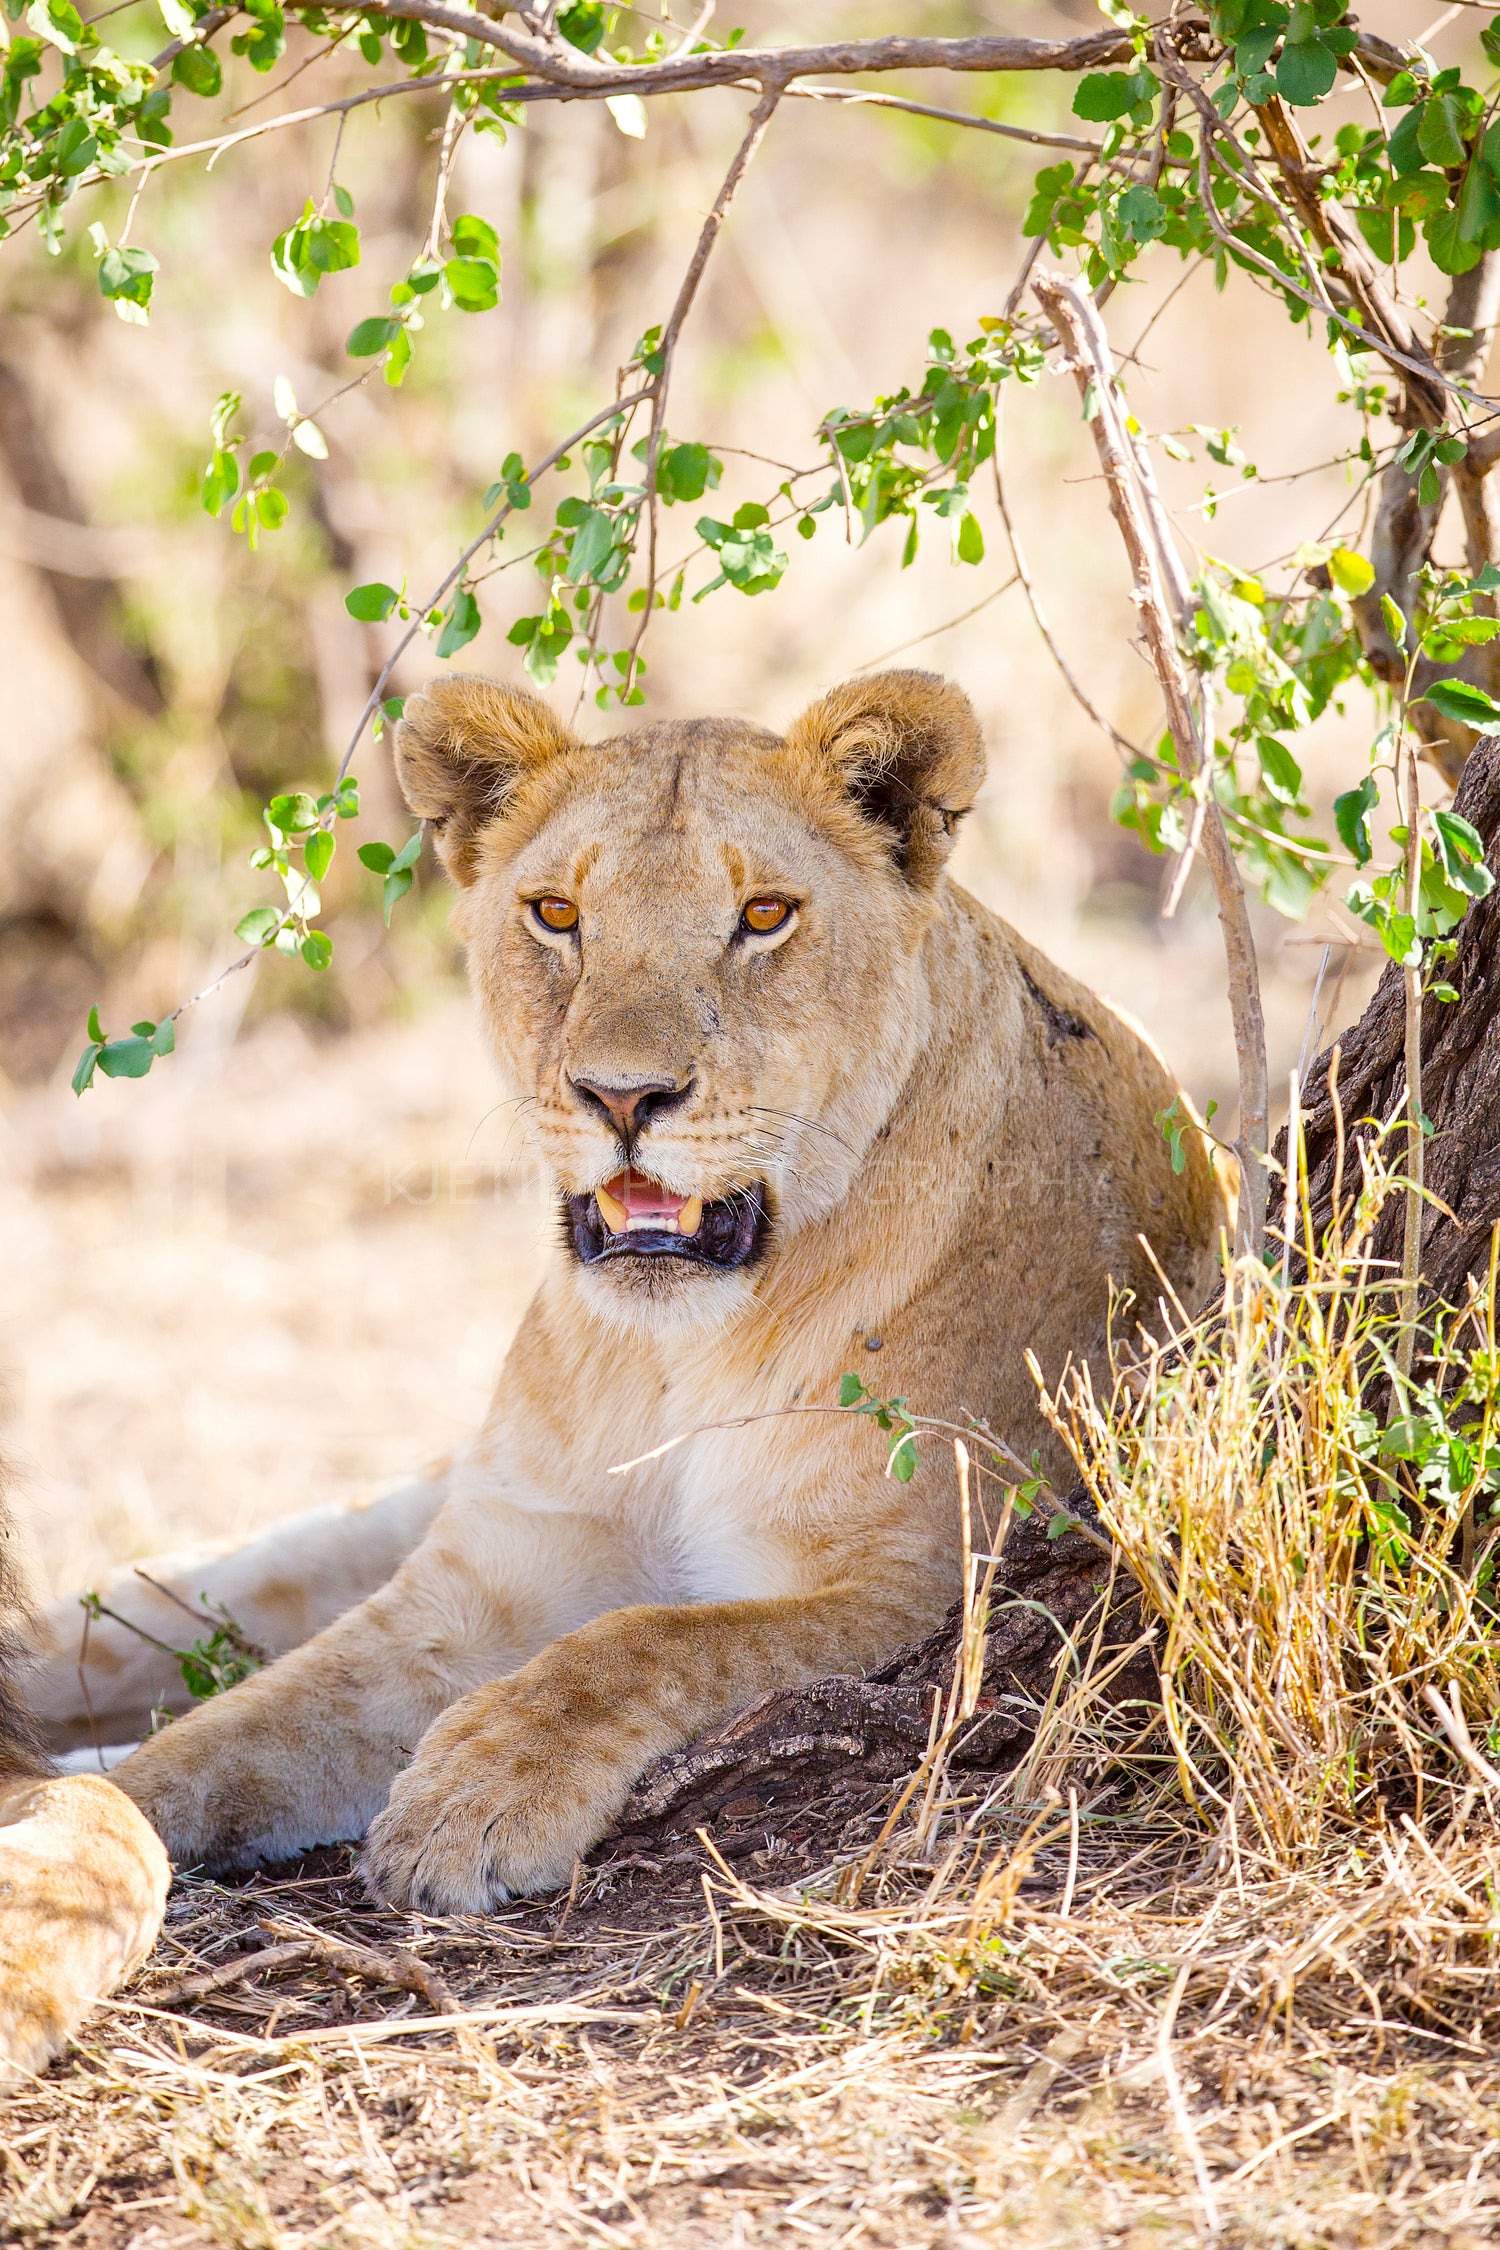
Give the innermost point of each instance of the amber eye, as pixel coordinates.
(762, 915)
(555, 913)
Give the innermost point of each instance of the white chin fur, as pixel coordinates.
(663, 1302)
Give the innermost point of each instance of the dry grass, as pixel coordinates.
(1162, 2053)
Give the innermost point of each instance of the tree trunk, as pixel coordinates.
(1460, 1085)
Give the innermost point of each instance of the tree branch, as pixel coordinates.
(760, 118)
(1159, 592)
(574, 74)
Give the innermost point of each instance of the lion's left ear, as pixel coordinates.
(910, 754)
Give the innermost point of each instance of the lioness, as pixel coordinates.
(810, 1108)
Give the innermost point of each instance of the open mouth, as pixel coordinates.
(633, 1216)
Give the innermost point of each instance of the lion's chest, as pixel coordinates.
(739, 1515)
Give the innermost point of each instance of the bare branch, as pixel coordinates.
(760, 118)
(1159, 592)
(864, 100)
(572, 75)
(1039, 616)
(575, 75)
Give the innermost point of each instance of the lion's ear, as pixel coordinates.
(910, 754)
(462, 745)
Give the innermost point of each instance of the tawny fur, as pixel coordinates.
(959, 1149)
(83, 1881)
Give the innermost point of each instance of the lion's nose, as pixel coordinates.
(630, 1104)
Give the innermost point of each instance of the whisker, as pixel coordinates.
(809, 1124)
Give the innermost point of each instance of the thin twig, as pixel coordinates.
(1039, 615)
(1159, 591)
(760, 118)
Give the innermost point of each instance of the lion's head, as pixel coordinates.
(698, 952)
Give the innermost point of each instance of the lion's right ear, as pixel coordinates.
(461, 747)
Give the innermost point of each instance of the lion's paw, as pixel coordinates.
(492, 1807)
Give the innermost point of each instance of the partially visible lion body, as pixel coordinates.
(83, 1881)
(925, 1152)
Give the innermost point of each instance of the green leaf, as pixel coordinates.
(199, 69)
(291, 812)
(1142, 213)
(592, 541)
(1350, 572)
(409, 854)
(1453, 254)
(371, 603)
(969, 544)
(1282, 774)
(397, 884)
(1440, 130)
(83, 1075)
(1390, 234)
(317, 853)
(1457, 699)
(1395, 623)
(377, 857)
(368, 337)
(1403, 148)
(95, 1028)
(686, 472)
(59, 23)
(316, 948)
(1460, 848)
(1398, 935)
(583, 24)
(1306, 71)
(259, 926)
(851, 1391)
(1351, 814)
(1104, 95)
(473, 237)
(332, 245)
(126, 1058)
(126, 276)
(473, 284)
(460, 623)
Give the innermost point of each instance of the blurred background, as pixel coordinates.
(285, 1267)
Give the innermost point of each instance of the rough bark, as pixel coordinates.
(797, 1745)
(1460, 1084)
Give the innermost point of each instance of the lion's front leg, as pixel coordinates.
(519, 1779)
(305, 1752)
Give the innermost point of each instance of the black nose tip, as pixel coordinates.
(630, 1105)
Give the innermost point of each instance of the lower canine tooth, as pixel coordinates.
(690, 1217)
(612, 1211)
